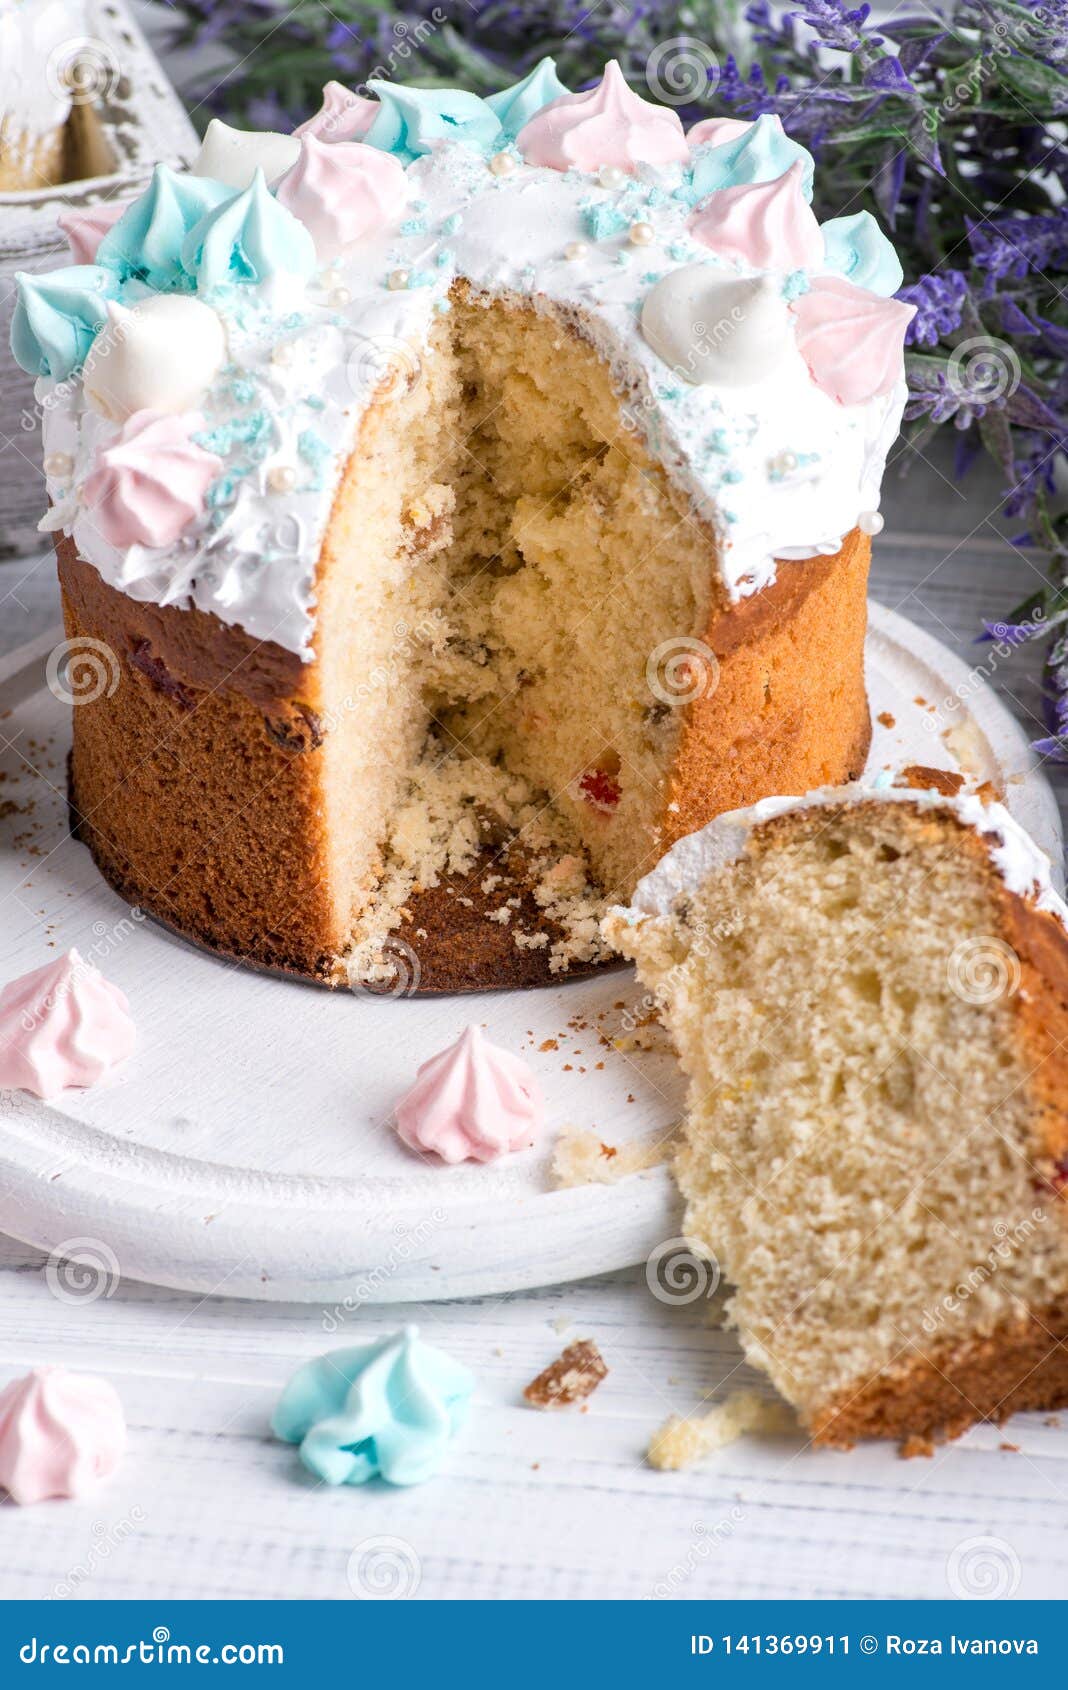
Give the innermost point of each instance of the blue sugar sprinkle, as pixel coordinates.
(315, 452)
(223, 491)
(255, 431)
(413, 226)
(451, 224)
(678, 251)
(601, 221)
(421, 279)
(796, 284)
(445, 256)
(883, 780)
(732, 475)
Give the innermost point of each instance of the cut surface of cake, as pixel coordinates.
(869, 994)
(476, 497)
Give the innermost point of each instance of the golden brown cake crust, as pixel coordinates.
(946, 1389)
(789, 711)
(198, 784)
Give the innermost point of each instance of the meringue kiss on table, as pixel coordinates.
(385, 1409)
(60, 1434)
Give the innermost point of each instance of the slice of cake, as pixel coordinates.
(471, 509)
(869, 993)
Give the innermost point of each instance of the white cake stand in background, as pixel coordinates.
(245, 1149)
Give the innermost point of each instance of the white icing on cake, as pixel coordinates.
(775, 465)
(1023, 867)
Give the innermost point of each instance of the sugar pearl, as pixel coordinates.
(783, 463)
(281, 479)
(330, 278)
(340, 296)
(610, 176)
(576, 249)
(502, 164)
(870, 522)
(642, 233)
(398, 279)
(59, 466)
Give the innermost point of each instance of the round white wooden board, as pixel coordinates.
(246, 1149)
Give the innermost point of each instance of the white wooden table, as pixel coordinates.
(533, 1505)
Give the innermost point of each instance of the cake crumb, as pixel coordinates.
(683, 1440)
(920, 778)
(580, 1157)
(914, 1445)
(886, 719)
(571, 1378)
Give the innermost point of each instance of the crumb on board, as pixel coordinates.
(684, 1439)
(571, 1378)
(887, 720)
(581, 1157)
(916, 1444)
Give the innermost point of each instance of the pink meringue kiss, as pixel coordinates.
(60, 1433)
(86, 229)
(716, 131)
(609, 124)
(471, 1102)
(148, 486)
(63, 1025)
(342, 191)
(343, 115)
(851, 340)
(768, 225)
